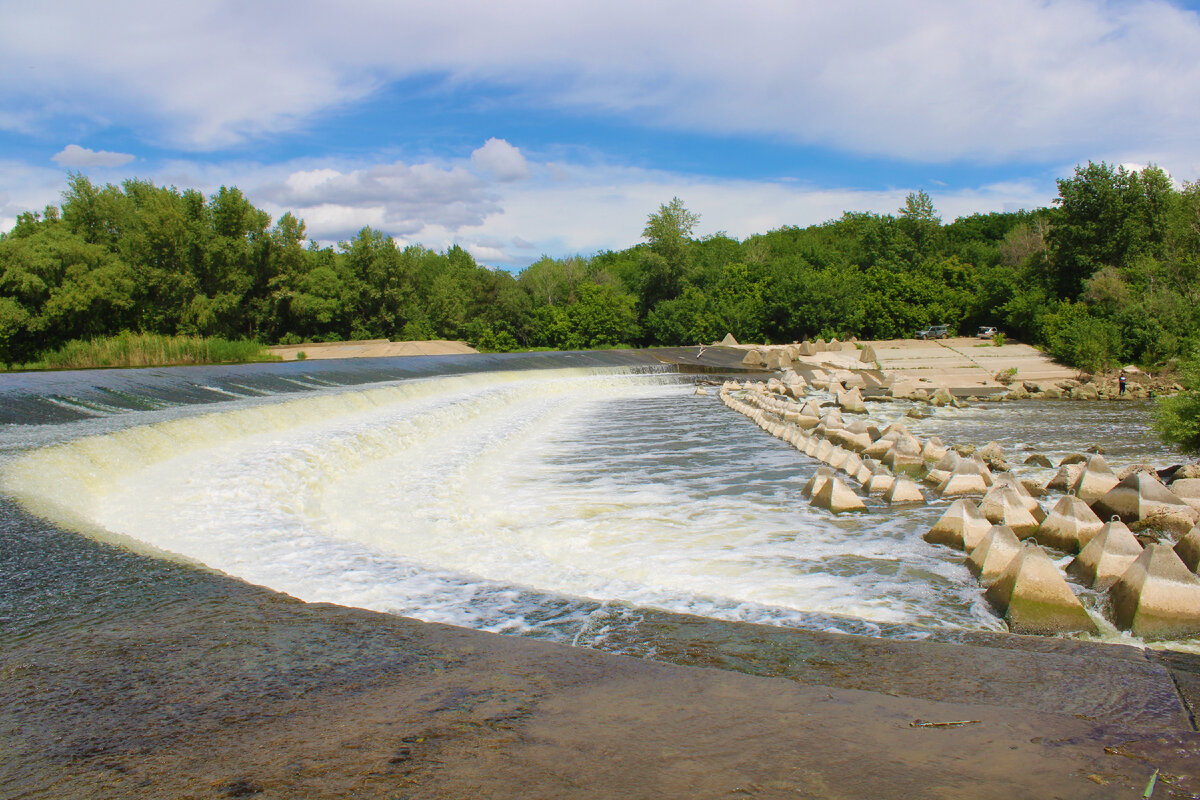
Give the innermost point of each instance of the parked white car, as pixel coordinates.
(986, 332)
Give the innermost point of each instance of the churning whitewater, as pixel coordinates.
(539, 502)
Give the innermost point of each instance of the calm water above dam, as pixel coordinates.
(556, 502)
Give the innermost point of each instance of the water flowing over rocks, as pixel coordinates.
(889, 463)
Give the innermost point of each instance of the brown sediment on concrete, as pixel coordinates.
(255, 694)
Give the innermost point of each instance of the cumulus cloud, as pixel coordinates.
(75, 156)
(405, 199)
(931, 80)
(503, 161)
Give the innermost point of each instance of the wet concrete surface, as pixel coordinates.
(250, 693)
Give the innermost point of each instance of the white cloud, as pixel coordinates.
(932, 80)
(501, 159)
(75, 156)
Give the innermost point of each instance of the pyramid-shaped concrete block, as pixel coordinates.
(1158, 597)
(1070, 525)
(998, 547)
(817, 480)
(1141, 496)
(867, 355)
(905, 456)
(851, 401)
(904, 491)
(879, 484)
(1188, 549)
(1187, 490)
(1034, 598)
(1004, 506)
(834, 345)
(837, 497)
(961, 527)
(1106, 557)
(729, 341)
(820, 345)
(934, 450)
(942, 467)
(807, 349)
(1031, 503)
(754, 358)
(1094, 481)
(958, 484)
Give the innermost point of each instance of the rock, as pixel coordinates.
(1094, 480)
(1157, 597)
(1002, 505)
(961, 527)
(992, 555)
(1086, 392)
(1070, 525)
(1039, 460)
(1073, 458)
(1065, 478)
(904, 491)
(1188, 549)
(1033, 597)
(1106, 557)
(1140, 496)
(1095, 448)
(1149, 469)
(1187, 490)
(837, 497)
(941, 397)
(993, 456)
(1187, 471)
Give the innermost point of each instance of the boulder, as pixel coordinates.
(961, 527)
(988, 560)
(1070, 525)
(1038, 460)
(1140, 496)
(1033, 597)
(1157, 597)
(1106, 557)
(1065, 478)
(837, 497)
(1002, 505)
(1188, 549)
(993, 456)
(941, 397)
(1073, 458)
(904, 491)
(1149, 469)
(1094, 481)
(1187, 490)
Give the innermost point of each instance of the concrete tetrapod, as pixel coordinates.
(1065, 478)
(1070, 525)
(837, 497)
(988, 560)
(880, 482)
(1158, 597)
(942, 469)
(1188, 549)
(851, 401)
(1004, 506)
(1033, 596)
(1031, 503)
(1140, 496)
(1095, 479)
(903, 491)
(962, 526)
(1106, 556)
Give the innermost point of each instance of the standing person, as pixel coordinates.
(1121, 383)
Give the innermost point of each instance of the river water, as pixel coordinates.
(557, 497)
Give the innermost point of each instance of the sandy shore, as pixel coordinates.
(370, 348)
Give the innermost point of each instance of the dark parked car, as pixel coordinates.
(935, 332)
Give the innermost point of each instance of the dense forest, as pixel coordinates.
(1107, 275)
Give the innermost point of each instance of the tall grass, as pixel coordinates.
(150, 350)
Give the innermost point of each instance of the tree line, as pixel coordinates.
(1106, 275)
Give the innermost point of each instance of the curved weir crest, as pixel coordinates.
(519, 501)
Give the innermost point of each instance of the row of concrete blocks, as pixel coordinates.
(1138, 497)
(1153, 591)
(781, 355)
(827, 439)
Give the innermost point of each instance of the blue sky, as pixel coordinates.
(526, 128)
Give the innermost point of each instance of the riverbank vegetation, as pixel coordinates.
(1106, 276)
(151, 350)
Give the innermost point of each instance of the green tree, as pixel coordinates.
(1179, 416)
